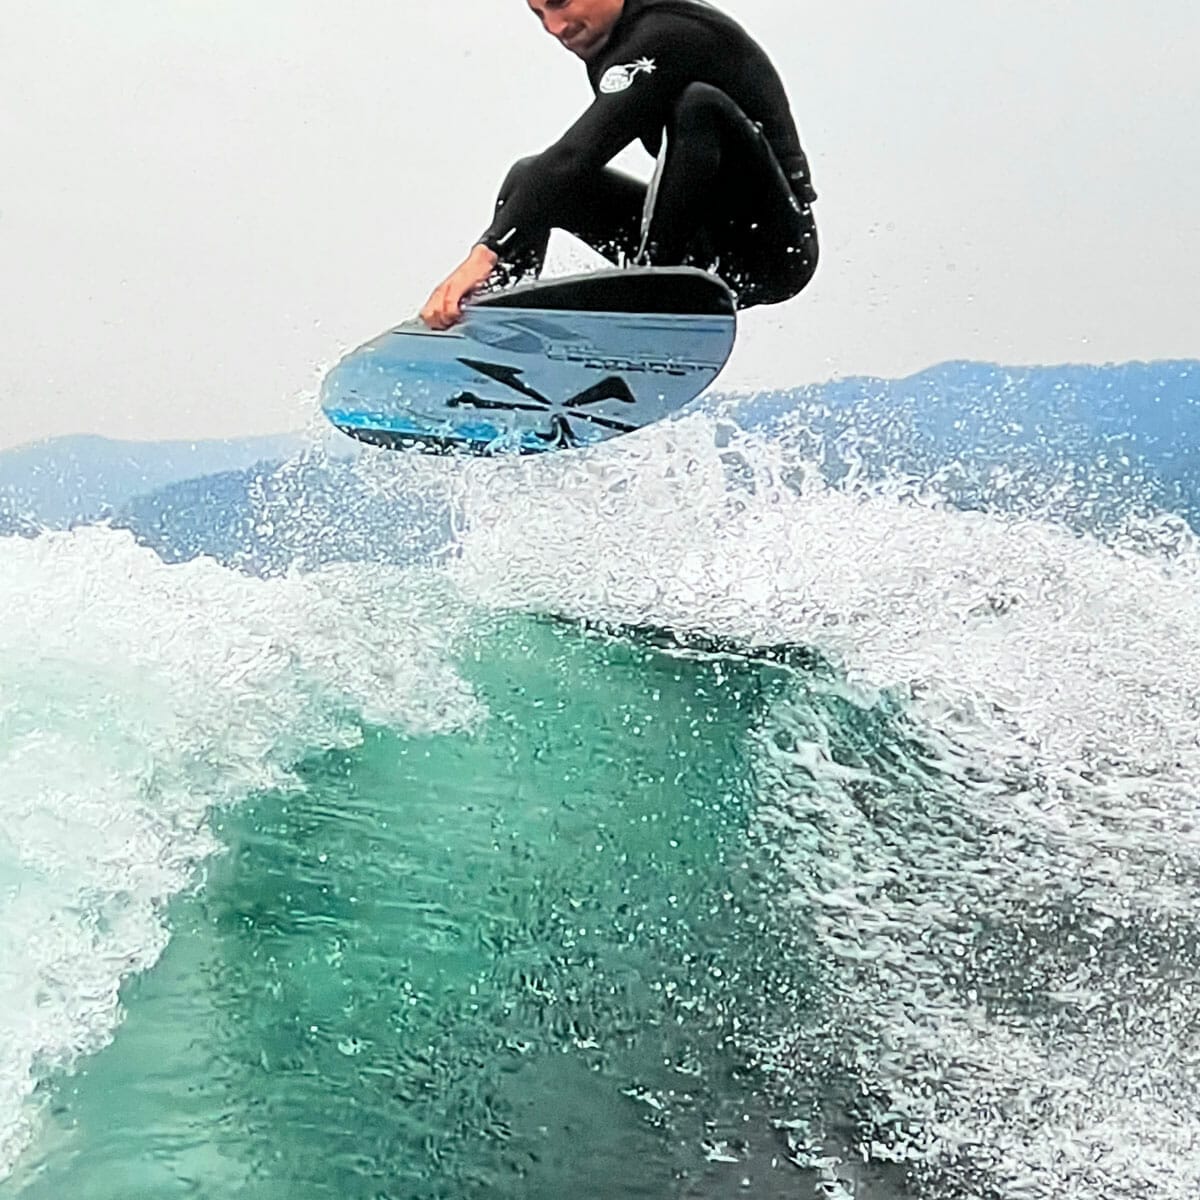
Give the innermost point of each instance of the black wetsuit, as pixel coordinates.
(731, 192)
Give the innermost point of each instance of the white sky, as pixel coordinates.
(204, 202)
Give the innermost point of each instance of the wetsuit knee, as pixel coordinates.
(518, 173)
(701, 106)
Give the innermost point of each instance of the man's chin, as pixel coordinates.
(589, 50)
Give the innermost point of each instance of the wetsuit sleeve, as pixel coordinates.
(648, 75)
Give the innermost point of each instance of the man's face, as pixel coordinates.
(582, 26)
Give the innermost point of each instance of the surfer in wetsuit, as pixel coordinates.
(731, 192)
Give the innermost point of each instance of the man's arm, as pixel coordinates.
(606, 127)
(610, 123)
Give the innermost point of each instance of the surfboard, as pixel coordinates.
(542, 366)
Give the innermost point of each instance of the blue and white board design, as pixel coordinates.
(542, 366)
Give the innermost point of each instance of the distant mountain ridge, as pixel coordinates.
(272, 517)
(1091, 446)
(68, 480)
(1164, 395)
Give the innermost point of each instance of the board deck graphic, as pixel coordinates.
(543, 366)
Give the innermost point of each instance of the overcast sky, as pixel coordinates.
(204, 202)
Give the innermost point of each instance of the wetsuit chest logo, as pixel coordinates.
(618, 78)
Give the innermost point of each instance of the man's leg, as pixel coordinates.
(720, 200)
(606, 215)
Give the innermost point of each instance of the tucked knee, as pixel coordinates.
(517, 174)
(701, 104)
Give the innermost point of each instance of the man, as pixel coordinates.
(731, 192)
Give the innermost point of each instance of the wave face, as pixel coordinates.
(460, 876)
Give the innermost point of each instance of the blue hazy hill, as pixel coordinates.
(305, 511)
(1163, 397)
(68, 480)
(1152, 408)
(988, 433)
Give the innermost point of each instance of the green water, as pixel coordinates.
(519, 961)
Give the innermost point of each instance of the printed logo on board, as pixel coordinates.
(618, 78)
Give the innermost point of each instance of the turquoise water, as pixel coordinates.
(508, 962)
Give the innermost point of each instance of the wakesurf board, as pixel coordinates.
(541, 366)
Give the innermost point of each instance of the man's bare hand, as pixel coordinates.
(444, 307)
